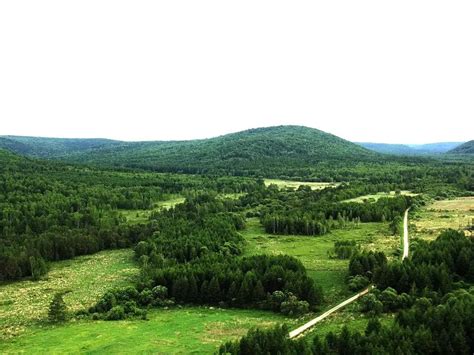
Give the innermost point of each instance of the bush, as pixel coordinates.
(116, 313)
(370, 304)
(358, 282)
(294, 307)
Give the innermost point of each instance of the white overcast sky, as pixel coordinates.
(383, 71)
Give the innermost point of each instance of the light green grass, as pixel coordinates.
(313, 251)
(175, 331)
(25, 303)
(296, 184)
(375, 197)
(142, 216)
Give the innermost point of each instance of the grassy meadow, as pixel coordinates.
(141, 216)
(193, 330)
(24, 304)
(430, 220)
(314, 251)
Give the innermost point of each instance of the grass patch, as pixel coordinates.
(296, 184)
(184, 331)
(142, 216)
(24, 304)
(378, 195)
(432, 219)
(313, 251)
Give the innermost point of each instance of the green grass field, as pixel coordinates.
(313, 251)
(141, 216)
(375, 197)
(175, 331)
(296, 184)
(24, 304)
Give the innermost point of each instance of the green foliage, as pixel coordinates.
(433, 266)
(57, 309)
(38, 267)
(345, 249)
(358, 282)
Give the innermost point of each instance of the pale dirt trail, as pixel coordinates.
(405, 235)
(314, 321)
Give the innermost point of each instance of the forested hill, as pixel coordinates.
(466, 148)
(287, 147)
(52, 147)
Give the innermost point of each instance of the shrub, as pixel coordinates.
(358, 282)
(116, 313)
(294, 307)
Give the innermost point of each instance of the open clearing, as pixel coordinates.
(185, 331)
(296, 184)
(313, 251)
(141, 216)
(432, 219)
(23, 304)
(375, 197)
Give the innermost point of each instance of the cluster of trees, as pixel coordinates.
(193, 251)
(279, 283)
(308, 212)
(344, 249)
(434, 266)
(424, 328)
(366, 263)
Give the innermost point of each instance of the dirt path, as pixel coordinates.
(406, 244)
(311, 323)
(318, 319)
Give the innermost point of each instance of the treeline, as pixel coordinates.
(50, 211)
(193, 253)
(434, 266)
(307, 212)
(425, 328)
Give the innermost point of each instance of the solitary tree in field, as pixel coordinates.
(57, 308)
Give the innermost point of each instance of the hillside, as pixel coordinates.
(411, 149)
(466, 148)
(51, 147)
(386, 148)
(237, 153)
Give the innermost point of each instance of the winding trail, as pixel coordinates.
(314, 321)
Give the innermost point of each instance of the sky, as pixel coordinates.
(380, 71)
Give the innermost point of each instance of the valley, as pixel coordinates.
(184, 247)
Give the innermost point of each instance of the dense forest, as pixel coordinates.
(51, 211)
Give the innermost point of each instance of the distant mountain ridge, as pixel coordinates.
(466, 148)
(411, 149)
(296, 147)
(51, 147)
